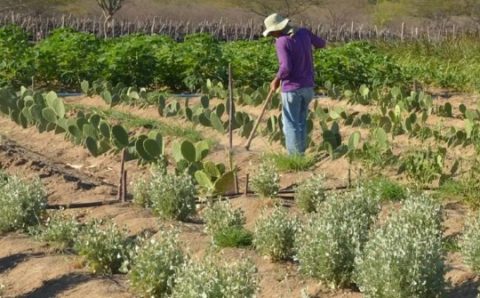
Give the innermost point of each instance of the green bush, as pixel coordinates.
(404, 257)
(207, 279)
(385, 189)
(310, 193)
(266, 181)
(291, 162)
(275, 235)
(201, 58)
(168, 195)
(154, 266)
(67, 57)
(465, 189)
(470, 244)
(251, 69)
(332, 238)
(16, 57)
(131, 60)
(59, 230)
(106, 249)
(370, 67)
(22, 203)
(233, 237)
(423, 166)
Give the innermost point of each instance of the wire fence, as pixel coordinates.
(41, 26)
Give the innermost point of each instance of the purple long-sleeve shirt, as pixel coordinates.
(296, 60)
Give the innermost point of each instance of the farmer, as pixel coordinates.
(296, 75)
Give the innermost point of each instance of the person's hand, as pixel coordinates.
(274, 85)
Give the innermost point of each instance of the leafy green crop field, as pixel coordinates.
(375, 208)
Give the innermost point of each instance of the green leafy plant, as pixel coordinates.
(67, 57)
(275, 235)
(410, 242)
(384, 188)
(331, 239)
(209, 279)
(466, 188)
(296, 162)
(310, 193)
(266, 181)
(22, 203)
(233, 237)
(376, 151)
(201, 59)
(16, 55)
(155, 264)
(188, 156)
(132, 60)
(213, 179)
(105, 248)
(424, 166)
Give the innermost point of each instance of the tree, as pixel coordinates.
(109, 8)
(287, 8)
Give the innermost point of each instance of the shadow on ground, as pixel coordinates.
(468, 289)
(10, 262)
(52, 288)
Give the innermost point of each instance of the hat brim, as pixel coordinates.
(278, 27)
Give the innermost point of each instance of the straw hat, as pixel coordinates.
(275, 22)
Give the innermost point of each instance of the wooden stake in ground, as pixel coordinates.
(230, 123)
(252, 134)
(121, 187)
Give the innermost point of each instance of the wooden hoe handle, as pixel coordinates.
(252, 134)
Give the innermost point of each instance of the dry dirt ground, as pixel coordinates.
(71, 175)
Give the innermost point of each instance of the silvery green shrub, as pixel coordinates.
(331, 239)
(59, 230)
(168, 195)
(275, 235)
(221, 215)
(209, 279)
(155, 265)
(21, 203)
(105, 248)
(266, 181)
(404, 257)
(470, 245)
(225, 225)
(141, 193)
(310, 193)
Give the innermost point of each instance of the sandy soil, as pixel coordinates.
(31, 269)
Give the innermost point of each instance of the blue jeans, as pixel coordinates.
(294, 114)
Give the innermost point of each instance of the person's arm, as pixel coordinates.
(283, 59)
(284, 62)
(317, 42)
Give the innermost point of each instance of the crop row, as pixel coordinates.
(47, 113)
(66, 57)
(337, 243)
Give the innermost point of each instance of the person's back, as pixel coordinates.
(296, 75)
(296, 60)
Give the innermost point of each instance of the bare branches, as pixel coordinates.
(110, 7)
(287, 8)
